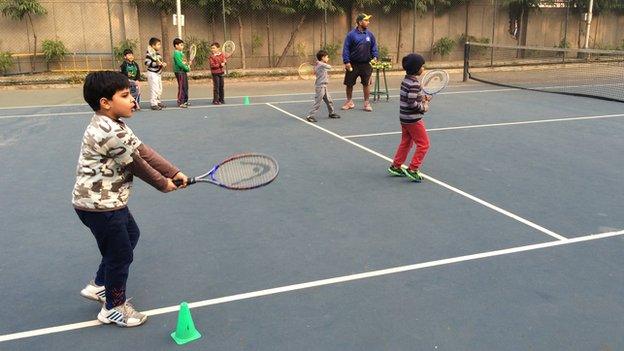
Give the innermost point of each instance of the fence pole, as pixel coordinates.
(493, 32)
(225, 36)
(179, 16)
(414, 29)
(466, 60)
(325, 25)
(565, 30)
(110, 31)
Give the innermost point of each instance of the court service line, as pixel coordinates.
(552, 120)
(436, 181)
(53, 114)
(323, 282)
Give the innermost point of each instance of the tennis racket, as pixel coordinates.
(239, 172)
(228, 48)
(192, 53)
(434, 82)
(306, 71)
(153, 54)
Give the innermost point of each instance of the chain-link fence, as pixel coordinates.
(77, 35)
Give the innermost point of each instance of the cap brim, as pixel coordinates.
(367, 17)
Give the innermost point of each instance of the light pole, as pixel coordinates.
(179, 16)
(589, 19)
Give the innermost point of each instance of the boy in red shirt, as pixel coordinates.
(218, 60)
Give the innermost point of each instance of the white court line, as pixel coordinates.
(226, 105)
(322, 282)
(445, 185)
(552, 120)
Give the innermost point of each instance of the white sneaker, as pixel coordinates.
(123, 315)
(94, 292)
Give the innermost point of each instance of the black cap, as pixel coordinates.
(412, 63)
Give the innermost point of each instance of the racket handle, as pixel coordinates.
(179, 182)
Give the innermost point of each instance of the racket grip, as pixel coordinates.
(179, 182)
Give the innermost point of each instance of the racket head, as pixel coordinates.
(243, 172)
(434, 81)
(228, 48)
(192, 52)
(306, 71)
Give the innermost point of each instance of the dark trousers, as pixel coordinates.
(182, 78)
(116, 234)
(217, 88)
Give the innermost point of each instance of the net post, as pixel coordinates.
(466, 60)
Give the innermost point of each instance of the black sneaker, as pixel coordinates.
(334, 115)
(156, 108)
(396, 171)
(311, 119)
(161, 105)
(413, 175)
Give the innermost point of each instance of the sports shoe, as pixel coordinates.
(162, 105)
(184, 105)
(156, 108)
(216, 103)
(367, 106)
(334, 115)
(396, 171)
(123, 315)
(94, 292)
(348, 105)
(311, 119)
(413, 175)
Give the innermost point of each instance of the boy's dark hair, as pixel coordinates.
(127, 51)
(321, 54)
(177, 41)
(103, 84)
(154, 41)
(412, 63)
(215, 44)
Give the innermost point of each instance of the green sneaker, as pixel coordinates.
(396, 171)
(414, 175)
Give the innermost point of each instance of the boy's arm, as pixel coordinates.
(124, 69)
(418, 99)
(140, 168)
(326, 66)
(156, 161)
(137, 77)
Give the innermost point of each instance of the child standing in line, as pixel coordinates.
(180, 69)
(110, 155)
(320, 87)
(414, 103)
(155, 64)
(130, 69)
(217, 62)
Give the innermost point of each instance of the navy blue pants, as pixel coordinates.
(116, 234)
(182, 78)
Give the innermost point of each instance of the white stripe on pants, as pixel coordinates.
(322, 95)
(155, 84)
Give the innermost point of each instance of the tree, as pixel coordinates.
(518, 16)
(303, 8)
(166, 9)
(268, 7)
(17, 10)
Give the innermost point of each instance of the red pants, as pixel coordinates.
(412, 133)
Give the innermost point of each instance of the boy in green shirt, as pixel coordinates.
(180, 68)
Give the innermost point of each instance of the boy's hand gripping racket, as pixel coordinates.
(239, 172)
(434, 82)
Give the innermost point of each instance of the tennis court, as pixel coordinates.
(514, 240)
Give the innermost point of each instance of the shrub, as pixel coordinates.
(443, 46)
(332, 50)
(384, 53)
(53, 50)
(6, 61)
(131, 44)
(203, 50)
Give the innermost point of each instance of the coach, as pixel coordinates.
(360, 47)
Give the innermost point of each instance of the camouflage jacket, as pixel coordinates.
(103, 181)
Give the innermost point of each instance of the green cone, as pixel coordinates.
(185, 330)
(246, 100)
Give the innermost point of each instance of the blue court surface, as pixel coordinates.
(514, 241)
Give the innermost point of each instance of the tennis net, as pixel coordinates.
(581, 72)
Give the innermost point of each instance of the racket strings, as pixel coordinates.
(246, 171)
(435, 81)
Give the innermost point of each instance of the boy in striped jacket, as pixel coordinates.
(155, 64)
(414, 104)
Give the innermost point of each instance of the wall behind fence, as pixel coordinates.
(87, 29)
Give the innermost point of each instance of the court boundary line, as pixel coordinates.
(433, 180)
(537, 121)
(250, 96)
(324, 282)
